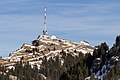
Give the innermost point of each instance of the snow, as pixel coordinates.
(100, 77)
(68, 44)
(62, 62)
(103, 71)
(32, 46)
(88, 78)
(85, 51)
(98, 59)
(53, 37)
(30, 54)
(35, 62)
(49, 42)
(42, 47)
(26, 45)
(84, 43)
(10, 67)
(43, 76)
(43, 37)
(115, 58)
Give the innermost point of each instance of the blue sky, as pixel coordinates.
(21, 21)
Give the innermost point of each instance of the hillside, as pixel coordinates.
(53, 58)
(45, 46)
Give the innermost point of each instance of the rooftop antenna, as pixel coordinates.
(45, 31)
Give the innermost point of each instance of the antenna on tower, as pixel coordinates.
(45, 9)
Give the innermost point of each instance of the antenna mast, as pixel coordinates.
(45, 31)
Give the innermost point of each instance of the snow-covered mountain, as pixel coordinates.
(60, 59)
(49, 46)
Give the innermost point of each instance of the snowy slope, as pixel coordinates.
(50, 46)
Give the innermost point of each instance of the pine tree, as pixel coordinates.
(92, 77)
(81, 75)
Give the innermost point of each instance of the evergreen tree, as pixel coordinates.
(92, 77)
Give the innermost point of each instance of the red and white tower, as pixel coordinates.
(45, 15)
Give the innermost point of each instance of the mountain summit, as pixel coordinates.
(49, 46)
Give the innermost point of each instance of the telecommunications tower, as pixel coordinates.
(45, 31)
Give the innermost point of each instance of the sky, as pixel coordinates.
(21, 21)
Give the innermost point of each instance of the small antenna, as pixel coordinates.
(45, 15)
